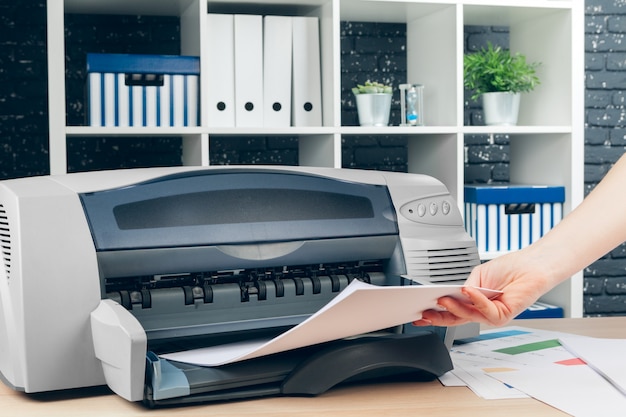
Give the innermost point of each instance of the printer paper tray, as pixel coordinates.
(307, 371)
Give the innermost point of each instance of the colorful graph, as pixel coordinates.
(529, 347)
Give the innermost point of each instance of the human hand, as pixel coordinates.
(521, 279)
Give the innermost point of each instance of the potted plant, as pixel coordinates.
(499, 78)
(373, 102)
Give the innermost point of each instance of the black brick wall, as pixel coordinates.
(605, 138)
(375, 52)
(366, 49)
(487, 157)
(23, 72)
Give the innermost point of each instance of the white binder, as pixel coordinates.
(95, 99)
(307, 83)
(220, 74)
(248, 70)
(277, 71)
(123, 102)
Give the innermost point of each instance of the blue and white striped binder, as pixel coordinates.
(508, 218)
(143, 90)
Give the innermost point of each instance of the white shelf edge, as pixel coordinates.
(398, 130)
(549, 4)
(195, 130)
(503, 130)
(131, 131)
(263, 131)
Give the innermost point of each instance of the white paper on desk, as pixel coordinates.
(450, 379)
(577, 390)
(476, 375)
(605, 356)
(359, 308)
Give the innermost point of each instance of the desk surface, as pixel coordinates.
(389, 399)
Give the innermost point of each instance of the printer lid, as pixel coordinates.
(233, 206)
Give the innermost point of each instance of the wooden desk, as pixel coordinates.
(389, 399)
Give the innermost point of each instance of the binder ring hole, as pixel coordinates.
(221, 106)
(249, 106)
(277, 106)
(308, 106)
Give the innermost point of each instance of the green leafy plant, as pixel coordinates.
(494, 69)
(372, 88)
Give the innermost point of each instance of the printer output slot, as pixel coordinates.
(223, 302)
(198, 287)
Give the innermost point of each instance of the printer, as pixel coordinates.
(104, 271)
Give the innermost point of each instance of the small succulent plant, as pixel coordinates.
(372, 88)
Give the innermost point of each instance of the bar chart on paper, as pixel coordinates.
(477, 360)
(513, 346)
(517, 362)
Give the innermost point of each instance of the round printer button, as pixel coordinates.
(445, 207)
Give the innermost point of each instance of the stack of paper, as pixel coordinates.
(579, 375)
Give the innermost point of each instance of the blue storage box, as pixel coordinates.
(143, 90)
(541, 310)
(507, 218)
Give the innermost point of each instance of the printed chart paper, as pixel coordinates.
(360, 308)
(546, 365)
(478, 360)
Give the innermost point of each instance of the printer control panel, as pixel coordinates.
(435, 210)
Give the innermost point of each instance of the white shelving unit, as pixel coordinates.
(546, 147)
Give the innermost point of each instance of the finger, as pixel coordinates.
(440, 318)
(492, 311)
(458, 308)
(475, 295)
(485, 311)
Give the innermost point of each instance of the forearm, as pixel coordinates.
(594, 228)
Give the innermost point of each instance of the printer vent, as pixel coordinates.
(445, 265)
(5, 240)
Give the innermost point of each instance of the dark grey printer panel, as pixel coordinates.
(236, 207)
(224, 219)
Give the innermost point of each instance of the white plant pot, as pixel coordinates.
(501, 109)
(373, 109)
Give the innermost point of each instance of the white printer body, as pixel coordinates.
(101, 267)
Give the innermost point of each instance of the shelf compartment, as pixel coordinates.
(431, 48)
(545, 23)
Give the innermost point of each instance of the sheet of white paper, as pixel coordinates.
(359, 308)
(449, 379)
(577, 390)
(476, 375)
(605, 356)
